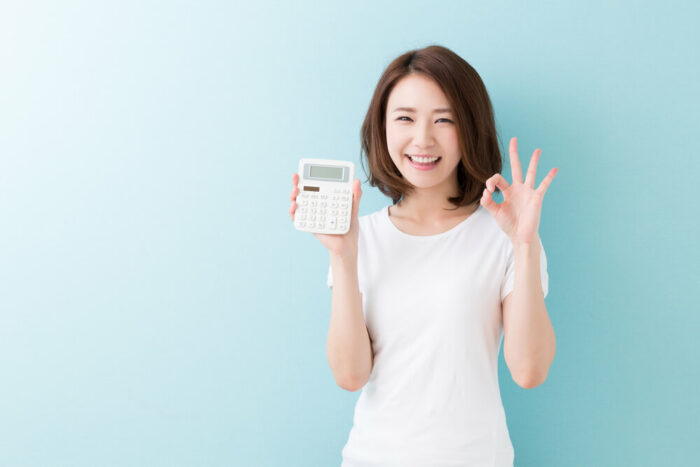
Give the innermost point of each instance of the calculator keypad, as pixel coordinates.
(327, 211)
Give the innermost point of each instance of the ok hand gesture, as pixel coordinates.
(519, 213)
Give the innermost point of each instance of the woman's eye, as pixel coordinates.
(446, 119)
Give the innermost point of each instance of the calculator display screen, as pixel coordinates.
(334, 173)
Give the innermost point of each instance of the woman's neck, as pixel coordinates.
(430, 205)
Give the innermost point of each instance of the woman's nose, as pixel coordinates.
(423, 136)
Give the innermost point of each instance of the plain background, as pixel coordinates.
(157, 307)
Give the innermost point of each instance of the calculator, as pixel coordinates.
(324, 202)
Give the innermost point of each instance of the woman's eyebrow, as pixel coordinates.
(411, 109)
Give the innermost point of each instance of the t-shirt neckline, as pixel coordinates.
(447, 232)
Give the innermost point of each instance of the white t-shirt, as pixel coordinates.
(432, 305)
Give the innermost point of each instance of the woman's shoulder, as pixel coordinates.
(373, 214)
(373, 218)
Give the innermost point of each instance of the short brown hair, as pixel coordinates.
(476, 128)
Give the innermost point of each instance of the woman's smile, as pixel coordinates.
(423, 163)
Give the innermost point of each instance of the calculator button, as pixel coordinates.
(332, 212)
(333, 204)
(343, 205)
(313, 203)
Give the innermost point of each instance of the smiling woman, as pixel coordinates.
(423, 289)
(417, 98)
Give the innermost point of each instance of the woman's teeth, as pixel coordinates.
(423, 160)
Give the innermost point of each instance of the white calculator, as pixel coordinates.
(324, 202)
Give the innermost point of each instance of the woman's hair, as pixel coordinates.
(476, 128)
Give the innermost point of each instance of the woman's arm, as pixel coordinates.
(529, 343)
(348, 347)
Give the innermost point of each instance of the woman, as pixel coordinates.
(424, 289)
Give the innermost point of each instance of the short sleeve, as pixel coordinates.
(329, 280)
(509, 279)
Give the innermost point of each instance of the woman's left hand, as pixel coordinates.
(519, 213)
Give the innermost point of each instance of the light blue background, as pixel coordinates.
(158, 307)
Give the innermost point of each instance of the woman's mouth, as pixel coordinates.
(423, 163)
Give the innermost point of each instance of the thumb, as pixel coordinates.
(488, 202)
(356, 195)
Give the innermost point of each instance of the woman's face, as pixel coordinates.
(424, 131)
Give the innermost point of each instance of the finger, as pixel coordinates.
(532, 168)
(295, 187)
(486, 198)
(515, 168)
(496, 180)
(488, 202)
(356, 195)
(292, 209)
(542, 189)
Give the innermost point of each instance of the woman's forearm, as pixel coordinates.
(348, 346)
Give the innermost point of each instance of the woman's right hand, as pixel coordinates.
(342, 245)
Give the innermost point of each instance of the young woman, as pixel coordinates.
(424, 289)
